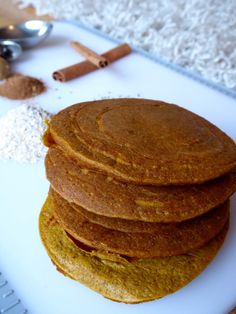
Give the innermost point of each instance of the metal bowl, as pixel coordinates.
(27, 34)
(10, 50)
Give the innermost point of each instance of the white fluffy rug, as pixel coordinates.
(197, 34)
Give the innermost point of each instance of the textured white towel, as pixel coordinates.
(197, 34)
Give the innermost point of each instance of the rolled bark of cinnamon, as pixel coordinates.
(89, 54)
(85, 67)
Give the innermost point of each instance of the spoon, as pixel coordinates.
(26, 34)
(9, 50)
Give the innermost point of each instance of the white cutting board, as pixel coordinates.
(23, 188)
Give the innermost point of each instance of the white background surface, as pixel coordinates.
(23, 188)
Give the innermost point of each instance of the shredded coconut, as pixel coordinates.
(21, 132)
(196, 34)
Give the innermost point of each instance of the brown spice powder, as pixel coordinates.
(21, 87)
(4, 69)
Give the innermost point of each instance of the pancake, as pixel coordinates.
(105, 196)
(105, 255)
(139, 281)
(144, 141)
(167, 240)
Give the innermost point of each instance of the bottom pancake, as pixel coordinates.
(129, 282)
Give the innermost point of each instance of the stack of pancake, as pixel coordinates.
(139, 197)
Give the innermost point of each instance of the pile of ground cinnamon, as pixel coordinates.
(4, 69)
(21, 87)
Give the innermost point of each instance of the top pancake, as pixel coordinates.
(144, 141)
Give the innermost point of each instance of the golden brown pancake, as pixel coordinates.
(138, 281)
(105, 196)
(144, 141)
(105, 255)
(167, 240)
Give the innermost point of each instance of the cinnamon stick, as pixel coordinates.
(85, 67)
(89, 54)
